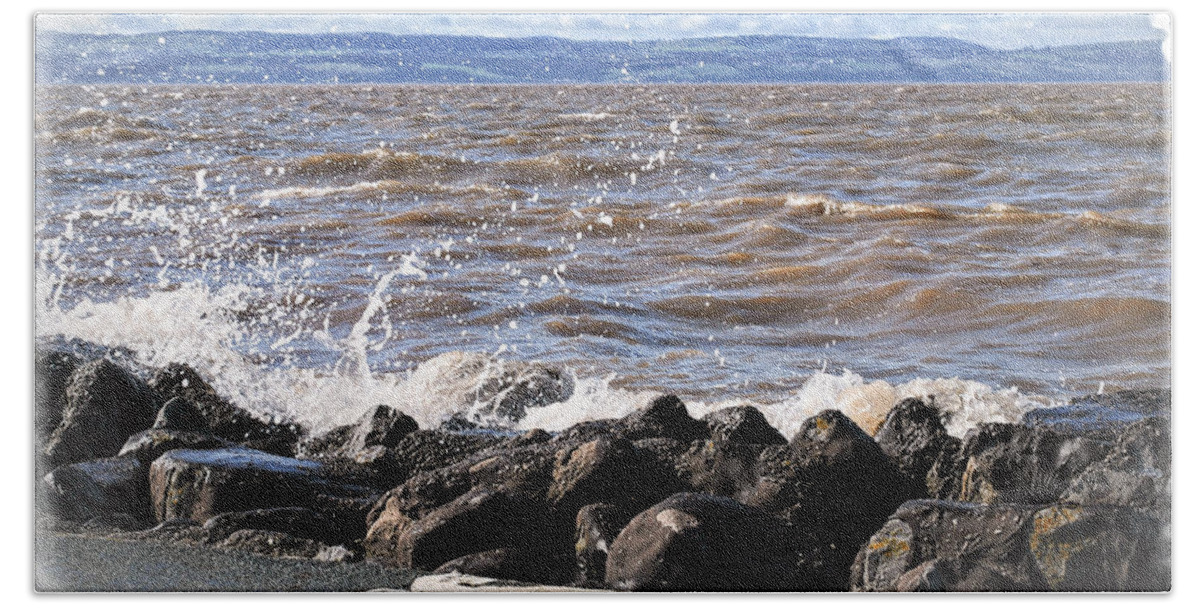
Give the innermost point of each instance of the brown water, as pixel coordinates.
(723, 242)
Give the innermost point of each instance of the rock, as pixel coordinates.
(176, 531)
(296, 521)
(430, 450)
(104, 405)
(480, 520)
(1136, 472)
(990, 539)
(665, 416)
(614, 471)
(1012, 463)
(272, 543)
(179, 414)
(944, 478)
(512, 564)
(596, 527)
(52, 371)
(489, 390)
(1098, 548)
(699, 542)
(742, 424)
(1102, 415)
(946, 546)
(378, 426)
(149, 444)
(722, 468)
(200, 484)
(223, 418)
(913, 436)
(836, 487)
(386, 522)
(85, 490)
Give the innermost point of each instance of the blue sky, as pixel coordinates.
(997, 30)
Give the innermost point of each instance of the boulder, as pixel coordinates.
(491, 391)
(296, 521)
(272, 543)
(722, 468)
(913, 436)
(665, 416)
(836, 487)
(179, 414)
(104, 405)
(699, 542)
(386, 522)
(425, 450)
(1014, 463)
(223, 418)
(742, 424)
(149, 444)
(1102, 415)
(480, 520)
(379, 426)
(1136, 472)
(944, 478)
(596, 527)
(200, 484)
(946, 546)
(52, 371)
(85, 490)
(512, 564)
(614, 471)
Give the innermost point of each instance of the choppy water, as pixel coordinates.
(308, 246)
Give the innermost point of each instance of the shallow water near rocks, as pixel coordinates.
(309, 248)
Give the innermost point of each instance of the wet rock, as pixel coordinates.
(1012, 463)
(430, 450)
(913, 436)
(176, 531)
(608, 470)
(742, 424)
(104, 405)
(944, 478)
(85, 490)
(1136, 472)
(272, 543)
(946, 546)
(980, 548)
(512, 564)
(223, 418)
(386, 522)
(722, 468)
(489, 390)
(699, 542)
(378, 426)
(1102, 415)
(530, 437)
(596, 527)
(835, 486)
(52, 371)
(148, 445)
(179, 414)
(200, 484)
(296, 521)
(665, 416)
(480, 520)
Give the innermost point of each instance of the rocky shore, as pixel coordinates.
(1073, 498)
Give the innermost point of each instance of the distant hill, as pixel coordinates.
(258, 57)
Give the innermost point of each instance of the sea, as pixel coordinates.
(315, 250)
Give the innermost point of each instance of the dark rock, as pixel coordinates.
(508, 563)
(104, 405)
(588, 430)
(480, 520)
(429, 450)
(52, 372)
(836, 487)
(1012, 463)
(1102, 415)
(179, 414)
(379, 426)
(944, 478)
(272, 543)
(699, 542)
(148, 445)
(530, 437)
(913, 436)
(199, 484)
(614, 471)
(492, 392)
(386, 522)
(596, 527)
(1136, 472)
(176, 531)
(723, 468)
(296, 521)
(945, 546)
(992, 539)
(665, 416)
(742, 424)
(84, 490)
(224, 419)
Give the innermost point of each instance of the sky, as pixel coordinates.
(996, 30)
